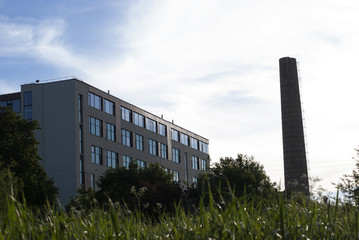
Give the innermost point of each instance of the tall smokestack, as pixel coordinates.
(295, 161)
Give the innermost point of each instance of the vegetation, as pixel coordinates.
(349, 184)
(20, 162)
(237, 219)
(240, 176)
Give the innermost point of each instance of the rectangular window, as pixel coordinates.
(14, 104)
(126, 137)
(111, 158)
(203, 147)
(204, 165)
(139, 142)
(82, 182)
(80, 108)
(152, 147)
(175, 176)
(194, 143)
(184, 139)
(195, 163)
(141, 164)
(96, 155)
(164, 151)
(95, 101)
(95, 126)
(194, 181)
(28, 105)
(109, 107)
(162, 129)
(81, 140)
(126, 161)
(151, 125)
(93, 181)
(138, 119)
(175, 135)
(110, 132)
(175, 155)
(126, 114)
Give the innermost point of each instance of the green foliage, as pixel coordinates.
(18, 153)
(349, 184)
(238, 177)
(273, 218)
(124, 185)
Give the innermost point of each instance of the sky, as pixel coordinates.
(209, 65)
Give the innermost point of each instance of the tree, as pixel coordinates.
(240, 176)
(349, 184)
(144, 188)
(18, 153)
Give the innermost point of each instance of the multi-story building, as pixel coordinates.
(85, 131)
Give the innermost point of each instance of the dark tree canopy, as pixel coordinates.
(124, 185)
(241, 176)
(18, 153)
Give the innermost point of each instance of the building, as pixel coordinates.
(295, 160)
(85, 131)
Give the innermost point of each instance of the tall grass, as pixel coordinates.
(238, 219)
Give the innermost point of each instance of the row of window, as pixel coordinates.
(101, 103)
(189, 141)
(142, 121)
(15, 104)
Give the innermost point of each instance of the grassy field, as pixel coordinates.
(238, 219)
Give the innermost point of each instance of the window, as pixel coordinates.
(203, 147)
(126, 161)
(95, 101)
(194, 143)
(175, 155)
(126, 114)
(96, 155)
(162, 129)
(93, 181)
(151, 125)
(111, 158)
(109, 107)
(164, 151)
(175, 176)
(95, 126)
(195, 181)
(175, 135)
(152, 147)
(139, 142)
(141, 164)
(82, 182)
(204, 165)
(126, 138)
(184, 139)
(14, 104)
(28, 105)
(80, 108)
(138, 119)
(110, 132)
(195, 163)
(81, 140)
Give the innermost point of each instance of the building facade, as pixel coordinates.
(85, 131)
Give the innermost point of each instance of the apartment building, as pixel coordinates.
(85, 131)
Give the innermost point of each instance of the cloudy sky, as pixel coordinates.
(211, 66)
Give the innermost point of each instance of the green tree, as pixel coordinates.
(240, 176)
(349, 184)
(18, 153)
(147, 188)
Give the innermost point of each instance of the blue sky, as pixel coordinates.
(211, 66)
